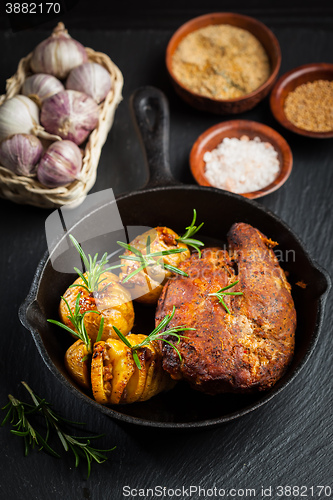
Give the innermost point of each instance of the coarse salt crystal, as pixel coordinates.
(242, 165)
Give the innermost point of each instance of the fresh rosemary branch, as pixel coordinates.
(148, 259)
(191, 231)
(77, 320)
(94, 269)
(18, 412)
(154, 335)
(222, 292)
(19, 415)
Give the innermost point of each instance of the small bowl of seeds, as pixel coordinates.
(223, 62)
(243, 157)
(302, 100)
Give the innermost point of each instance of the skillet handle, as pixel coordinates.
(150, 110)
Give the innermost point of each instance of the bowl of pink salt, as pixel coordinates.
(241, 156)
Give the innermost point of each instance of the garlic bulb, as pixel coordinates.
(90, 78)
(60, 165)
(18, 115)
(40, 87)
(58, 54)
(70, 114)
(20, 153)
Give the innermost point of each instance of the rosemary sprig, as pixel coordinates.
(94, 268)
(191, 231)
(154, 335)
(18, 413)
(77, 320)
(222, 292)
(148, 259)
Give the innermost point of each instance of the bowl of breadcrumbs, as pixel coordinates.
(224, 63)
(302, 100)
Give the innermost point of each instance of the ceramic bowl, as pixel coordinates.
(287, 83)
(210, 139)
(239, 104)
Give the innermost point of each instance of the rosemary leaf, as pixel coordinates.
(65, 327)
(175, 270)
(191, 230)
(131, 248)
(136, 359)
(133, 273)
(100, 330)
(222, 292)
(168, 252)
(122, 337)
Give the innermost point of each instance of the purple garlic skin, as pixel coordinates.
(41, 87)
(92, 79)
(60, 165)
(70, 114)
(20, 153)
(58, 54)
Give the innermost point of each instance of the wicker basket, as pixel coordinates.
(28, 190)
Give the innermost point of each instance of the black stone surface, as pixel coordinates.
(286, 442)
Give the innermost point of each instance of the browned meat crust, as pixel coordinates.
(248, 349)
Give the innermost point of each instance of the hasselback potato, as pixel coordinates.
(115, 377)
(111, 299)
(146, 286)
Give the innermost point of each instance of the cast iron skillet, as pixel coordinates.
(163, 202)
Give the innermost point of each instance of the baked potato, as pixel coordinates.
(115, 377)
(111, 300)
(77, 362)
(146, 285)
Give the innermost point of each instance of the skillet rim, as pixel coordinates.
(31, 299)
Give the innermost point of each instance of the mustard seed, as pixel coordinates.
(310, 106)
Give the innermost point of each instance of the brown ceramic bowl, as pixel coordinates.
(239, 104)
(237, 128)
(288, 82)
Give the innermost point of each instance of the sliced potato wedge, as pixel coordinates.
(123, 367)
(99, 386)
(137, 382)
(77, 362)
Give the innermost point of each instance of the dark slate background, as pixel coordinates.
(286, 442)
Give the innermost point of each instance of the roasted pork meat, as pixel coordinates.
(248, 349)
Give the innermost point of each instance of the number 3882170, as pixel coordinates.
(33, 8)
